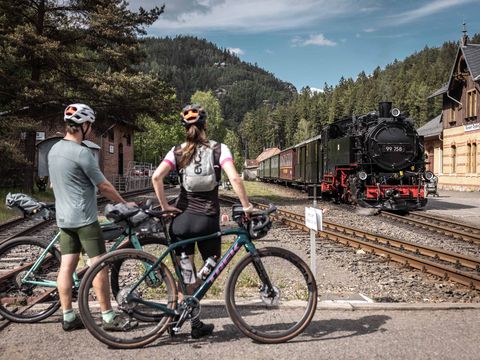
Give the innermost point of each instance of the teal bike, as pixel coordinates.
(270, 295)
(29, 265)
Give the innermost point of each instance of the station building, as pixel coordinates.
(452, 139)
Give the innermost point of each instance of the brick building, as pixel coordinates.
(113, 147)
(454, 152)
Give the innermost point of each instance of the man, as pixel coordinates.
(74, 175)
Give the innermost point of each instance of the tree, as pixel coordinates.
(157, 138)
(210, 103)
(55, 52)
(233, 143)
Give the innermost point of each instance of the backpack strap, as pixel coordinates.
(178, 155)
(217, 152)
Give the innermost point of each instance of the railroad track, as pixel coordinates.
(444, 264)
(46, 294)
(440, 225)
(24, 226)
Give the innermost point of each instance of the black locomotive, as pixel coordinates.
(374, 160)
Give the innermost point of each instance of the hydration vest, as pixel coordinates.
(203, 173)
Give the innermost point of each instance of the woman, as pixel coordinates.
(198, 163)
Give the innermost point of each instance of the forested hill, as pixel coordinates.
(191, 64)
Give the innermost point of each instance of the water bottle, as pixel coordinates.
(207, 268)
(187, 269)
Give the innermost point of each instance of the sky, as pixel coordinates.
(313, 42)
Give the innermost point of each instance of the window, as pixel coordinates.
(471, 109)
(469, 159)
(452, 114)
(129, 140)
(474, 158)
(111, 135)
(454, 155)
(440, 160)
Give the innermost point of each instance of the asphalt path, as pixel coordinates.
(375, 333)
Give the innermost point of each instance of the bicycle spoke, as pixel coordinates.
(159, 287)
(271, 312)
(23, 301)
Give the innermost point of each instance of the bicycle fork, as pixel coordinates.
(267, 288)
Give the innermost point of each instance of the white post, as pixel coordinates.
(313, 245)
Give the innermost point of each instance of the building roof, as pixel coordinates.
(268, 153)
(472, 58)
(471, 54)
(309, 140)
(432, 128)
(251, 163)
(440, 91)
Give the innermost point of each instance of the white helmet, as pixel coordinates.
(79, 113)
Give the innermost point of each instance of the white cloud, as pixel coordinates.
(236, 51)
(369, 30)
(252, 16)
(431, 8)
(315, 90)
(317, 39)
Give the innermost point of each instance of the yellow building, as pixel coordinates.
(454, 153)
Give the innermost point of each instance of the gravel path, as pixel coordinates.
(343, 271)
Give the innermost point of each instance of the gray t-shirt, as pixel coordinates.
(74, 174)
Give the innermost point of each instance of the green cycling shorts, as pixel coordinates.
(88, 237)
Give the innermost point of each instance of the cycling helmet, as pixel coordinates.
(78, 114)
(193, 114)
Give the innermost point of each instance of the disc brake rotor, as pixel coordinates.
(270, 298)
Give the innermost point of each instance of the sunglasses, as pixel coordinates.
(191, 111)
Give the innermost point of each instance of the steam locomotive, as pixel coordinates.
(374, 160)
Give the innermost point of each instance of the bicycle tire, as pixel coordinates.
(91, 316)
(241, 311)
(144, 241)
(16, 313)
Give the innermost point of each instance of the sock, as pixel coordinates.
(108, 315)
(195, 322)
(69, 315)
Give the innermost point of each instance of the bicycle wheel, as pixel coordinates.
(151, 245)
(277, 314)
(27, 303)
(159, 287)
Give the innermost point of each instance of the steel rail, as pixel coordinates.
(44, 223)
(384, 246)
(446, 229)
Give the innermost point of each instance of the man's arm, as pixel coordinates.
(107, 190)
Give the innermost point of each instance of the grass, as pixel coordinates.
(262, 190)
(8, 214)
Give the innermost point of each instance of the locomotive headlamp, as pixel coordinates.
(362, 175)
(395, 112)
(428, 175)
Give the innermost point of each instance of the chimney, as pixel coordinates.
(384, 109)
(465, 36)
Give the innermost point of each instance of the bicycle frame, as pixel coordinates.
(242, 239)
(49, 283)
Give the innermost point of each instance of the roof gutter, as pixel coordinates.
(458, 102)
(477, 78)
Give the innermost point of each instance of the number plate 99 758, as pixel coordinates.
(394, 148)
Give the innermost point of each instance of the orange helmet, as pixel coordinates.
(193, 114)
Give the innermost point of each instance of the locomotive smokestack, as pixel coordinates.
(384, 109)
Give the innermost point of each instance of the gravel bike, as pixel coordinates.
(270, 295)
(29, 265)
